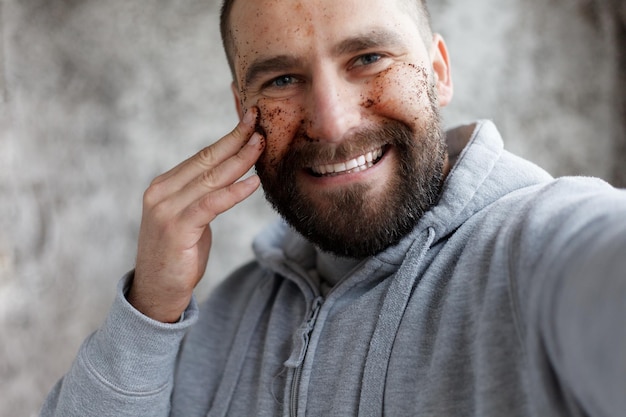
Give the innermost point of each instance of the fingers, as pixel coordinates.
(209, 157)
(205, 209)
(230, 169)
(175, 235)
(216, 190)
(216, 166)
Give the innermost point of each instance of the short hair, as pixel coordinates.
(423, 21)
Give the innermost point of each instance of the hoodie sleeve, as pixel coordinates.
(573, 294)
(125, 368)
(586, 324)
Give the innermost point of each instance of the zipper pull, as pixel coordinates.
(302, 335)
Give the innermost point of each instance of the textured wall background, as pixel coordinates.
(99, 97)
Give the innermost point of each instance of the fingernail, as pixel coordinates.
(252, 180)
(249, 117)
(254, 139)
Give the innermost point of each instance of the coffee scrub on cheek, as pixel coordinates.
(279, 122)
(398, 91)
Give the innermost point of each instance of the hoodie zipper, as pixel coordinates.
(297, 374)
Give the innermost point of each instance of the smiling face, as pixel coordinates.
(348, 94)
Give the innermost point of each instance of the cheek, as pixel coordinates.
(279, 122)
(400, 92)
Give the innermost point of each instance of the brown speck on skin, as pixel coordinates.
(257, 126)
(387, 94)
(309, 138)
(397, 86)
(368, 102)
(262, 142)
(279, 121)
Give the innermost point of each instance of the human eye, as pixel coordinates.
(281, 86)
(282, 81)
(367, 59)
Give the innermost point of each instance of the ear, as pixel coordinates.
(441, 70)
(235, 90)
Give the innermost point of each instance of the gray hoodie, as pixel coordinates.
(507, 299)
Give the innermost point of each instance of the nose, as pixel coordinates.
(333, 108)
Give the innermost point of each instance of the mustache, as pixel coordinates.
(307, 151)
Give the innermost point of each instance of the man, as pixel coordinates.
(418, 272)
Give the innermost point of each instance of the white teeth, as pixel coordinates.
(357, 164)
(353, 163)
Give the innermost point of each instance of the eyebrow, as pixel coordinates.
(372, 39)
(273, 64)
(352, 45)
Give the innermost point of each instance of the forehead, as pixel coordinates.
(303, 27)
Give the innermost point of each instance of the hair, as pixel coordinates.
(417, 6)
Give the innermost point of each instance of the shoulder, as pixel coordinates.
(569, 202)
(546, 226)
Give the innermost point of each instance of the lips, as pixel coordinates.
(357, 164)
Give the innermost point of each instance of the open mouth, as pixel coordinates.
(357, 164)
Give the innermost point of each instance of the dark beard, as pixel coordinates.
(351, 223)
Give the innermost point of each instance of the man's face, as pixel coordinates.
(355, 153)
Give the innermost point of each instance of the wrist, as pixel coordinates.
(168, 309)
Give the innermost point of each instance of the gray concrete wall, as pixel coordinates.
(99, 97)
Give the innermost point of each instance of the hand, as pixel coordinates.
(175, 236)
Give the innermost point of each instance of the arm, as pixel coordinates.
(585, 323)
(573, 297)
(123, 369)
(126, 368)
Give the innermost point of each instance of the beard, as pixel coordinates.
(356, 221)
